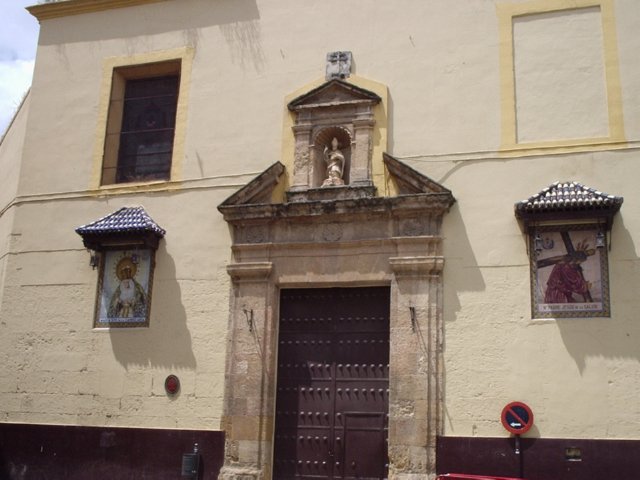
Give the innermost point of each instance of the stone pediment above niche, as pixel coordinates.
(333, 133)
(332, 93)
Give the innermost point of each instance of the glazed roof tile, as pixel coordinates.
(127, 220)
(568, 196)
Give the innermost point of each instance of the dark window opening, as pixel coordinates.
(141, 124)
(148, 124)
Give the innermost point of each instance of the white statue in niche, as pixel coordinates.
(335, 164)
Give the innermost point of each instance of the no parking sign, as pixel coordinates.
(517, 418)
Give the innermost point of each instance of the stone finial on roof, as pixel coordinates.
(131, 224)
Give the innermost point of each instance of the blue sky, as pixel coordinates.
(18, 40)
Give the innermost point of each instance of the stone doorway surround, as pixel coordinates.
(336, 237)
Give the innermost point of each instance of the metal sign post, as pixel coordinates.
(517, 418)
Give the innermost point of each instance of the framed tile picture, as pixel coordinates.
(124, 288)
(569, 273)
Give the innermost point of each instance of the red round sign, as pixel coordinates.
(172, 384)
(517, 418)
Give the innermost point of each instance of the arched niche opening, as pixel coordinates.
(322, 140)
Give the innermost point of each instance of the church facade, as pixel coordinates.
(253, 240)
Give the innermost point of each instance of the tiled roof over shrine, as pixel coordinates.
(126, 220)
(129, 225)
(568, 197)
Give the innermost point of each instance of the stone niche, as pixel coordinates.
(334, 117)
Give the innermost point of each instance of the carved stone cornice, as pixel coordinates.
(66, 8)
(364, 123)
(303, 128)
(434, 203)
(416, 265)
(343, 192)
(249, 271)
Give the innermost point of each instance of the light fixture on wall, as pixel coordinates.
(538, 243)
(94, 259)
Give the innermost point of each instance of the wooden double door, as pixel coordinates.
(332, 398)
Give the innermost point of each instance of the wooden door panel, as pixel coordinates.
(332, 392)
(364, 445)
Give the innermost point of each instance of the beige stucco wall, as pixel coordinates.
(577, 374)
(10, 154)
(441, 62)
(66, 372)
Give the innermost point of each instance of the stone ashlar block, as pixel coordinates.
(245, 428)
